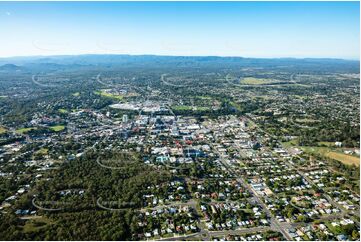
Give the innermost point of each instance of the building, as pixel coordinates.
(125, 118)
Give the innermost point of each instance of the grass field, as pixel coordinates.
(333, 154)
(109, 95)
(25, 130)
(256, 81)
(42, 151)
(2, 130)
(327, 149)
(57, 128)
(290, 143)
(35, 224)
(346, 159)
(62, 110)
(328, 144)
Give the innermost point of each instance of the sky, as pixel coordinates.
(248, 29)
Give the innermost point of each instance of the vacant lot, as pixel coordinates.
(346, 159)
(333, 154)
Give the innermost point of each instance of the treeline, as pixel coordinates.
(332, 132)
(325, 131)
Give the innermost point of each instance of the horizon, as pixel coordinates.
(217, 56)
(225, 29)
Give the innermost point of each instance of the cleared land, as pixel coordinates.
(35, 223)
(109, 95)
(256, 81)
(346, 159)
(2, 130)
(57, 128)
(25, 130)
(325, 143)
(62, 110)
(42, 151)
(333, 154)
(327, 149)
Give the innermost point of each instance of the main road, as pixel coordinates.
(274, 223)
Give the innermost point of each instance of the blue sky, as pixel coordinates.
(250, 29)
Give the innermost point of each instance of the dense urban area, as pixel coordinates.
(117, 147)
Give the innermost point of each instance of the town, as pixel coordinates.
(180, 154)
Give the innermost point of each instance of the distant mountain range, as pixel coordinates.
(10, 67)
(121, 61)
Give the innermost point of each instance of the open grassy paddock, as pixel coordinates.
(335, 154)
(109, 95)
(57, 128)
(25, 130)
(256, 81)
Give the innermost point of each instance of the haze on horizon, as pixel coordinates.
(247, 29)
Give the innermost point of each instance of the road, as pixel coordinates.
(163, 79)
(274, 223)
(298, 170)
(207, 235)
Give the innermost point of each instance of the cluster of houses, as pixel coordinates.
(232, 215)
(218, 190)
(9, 201)
(198, 150)
(173, 220)
(332, 230)
(264, 236)
(346, 198)
(323, 178)
(174, 191)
